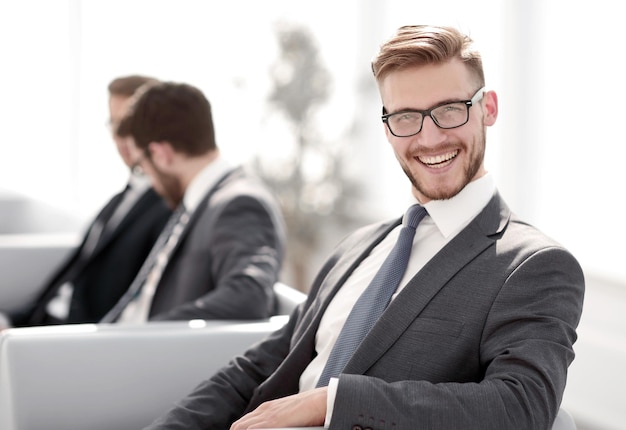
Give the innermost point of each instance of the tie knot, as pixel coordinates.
(181, 213)
(180, 209)
(414, 215)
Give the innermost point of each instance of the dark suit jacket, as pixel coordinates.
(100, 280)
(480, 338)
(228, 257)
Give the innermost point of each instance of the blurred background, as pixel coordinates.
(293, 98)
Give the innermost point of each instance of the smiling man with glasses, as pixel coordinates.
(457, 316)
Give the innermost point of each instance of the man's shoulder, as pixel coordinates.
(240, 183)
(522, 235)
(514, 236)
(498, 219)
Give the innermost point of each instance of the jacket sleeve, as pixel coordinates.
(217, 402)
(244, 253)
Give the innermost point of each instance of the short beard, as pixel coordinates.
(470, 172)
(170, 188)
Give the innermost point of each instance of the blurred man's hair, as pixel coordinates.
(127, 85)
(171, 112)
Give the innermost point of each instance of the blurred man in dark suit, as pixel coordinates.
(115, 245)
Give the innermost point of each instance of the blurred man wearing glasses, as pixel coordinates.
(115, 245)
(475, 331)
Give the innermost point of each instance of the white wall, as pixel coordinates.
(555, 65)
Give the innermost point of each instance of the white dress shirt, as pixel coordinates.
(445, 219)
(206, 179)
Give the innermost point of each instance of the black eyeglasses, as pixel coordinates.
(446, 115)
(136, 168)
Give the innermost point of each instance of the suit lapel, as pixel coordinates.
(137, 208)
(420, 290)
(348, 257)
(347, 262)
(74, 264)
(195, 216)
(204, 203)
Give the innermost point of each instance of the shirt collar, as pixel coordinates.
(452, 215)
(138, 182)
(205, 180)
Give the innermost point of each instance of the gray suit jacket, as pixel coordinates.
(228, 258)
(480, 338)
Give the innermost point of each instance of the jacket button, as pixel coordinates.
(357, 428)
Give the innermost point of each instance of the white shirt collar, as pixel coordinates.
(204, 181)
(452, 215)
(138, 182)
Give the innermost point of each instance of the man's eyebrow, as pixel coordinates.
(414, 109)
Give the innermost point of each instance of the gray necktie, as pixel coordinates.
(373, 301)
(152, 269)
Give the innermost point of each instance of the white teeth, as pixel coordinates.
(438, 159)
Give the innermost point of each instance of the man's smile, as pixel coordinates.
(438, 161)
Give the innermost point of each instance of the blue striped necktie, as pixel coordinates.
(373, 301)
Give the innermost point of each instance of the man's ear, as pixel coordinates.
(490, 103)
(161, 153)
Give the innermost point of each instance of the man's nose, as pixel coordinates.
(431, 134)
